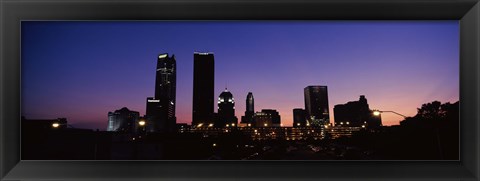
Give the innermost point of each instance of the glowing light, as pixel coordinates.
(162, 56)
(308, 124)
(298, 124)
(363, 126)
(200, 125)
(265, 124)
(376, 113)
(141, 123)
(55, 125)
(210, 125)
(153, 100)
(203, 53)
(233, 124)
(249, 124)
(214, 144)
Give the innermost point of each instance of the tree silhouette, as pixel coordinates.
(432, 111)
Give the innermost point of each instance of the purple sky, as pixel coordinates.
(83, 70)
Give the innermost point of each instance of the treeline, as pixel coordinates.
(432, 134)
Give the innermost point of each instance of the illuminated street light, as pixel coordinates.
(141, 123)
(378, 112)
(200, 125)
(265, 124)
(233, 124)
(249, 124)
(55, 125)
(214, 144)
(210, 125)
(298, 124)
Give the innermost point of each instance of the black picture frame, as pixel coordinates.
(12, 12)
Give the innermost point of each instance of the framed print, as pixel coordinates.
(240, 90)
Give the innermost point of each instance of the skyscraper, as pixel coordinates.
(250, 110)
(203, 88)
(316, 105)
(160, 112)
(226, 110)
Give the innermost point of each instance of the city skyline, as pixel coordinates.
(269, 88)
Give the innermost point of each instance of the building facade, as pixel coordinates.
(299, 117)
(123, 120)
(267, 118)
(356, 114)
(250, 109)
(203, 88)
(316, 105)
(160, 112)
(226, 110)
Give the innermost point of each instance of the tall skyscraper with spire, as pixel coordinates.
(250, 109)
(203, 89)
(160, 113)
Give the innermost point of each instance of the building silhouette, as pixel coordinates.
(160, 112)
(203, 88)
(356, 114)
(123, 120)
(299, 117)
(250, 109)
(267, 118)
(226, 110)
(316, 105)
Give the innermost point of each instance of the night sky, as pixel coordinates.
(82, 70)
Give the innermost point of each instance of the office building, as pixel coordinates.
(267, 118)
(160, 112)
(203, 88)
(356, 114)
(226, 110)
(316, 105)
(123, 120)
(299, 118)
(250, 110)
